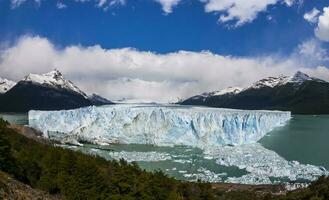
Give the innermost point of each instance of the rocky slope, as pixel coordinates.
(11, 189)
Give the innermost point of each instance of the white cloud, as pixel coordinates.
(18, 3)
(312, 16)
(322, 29)
(106, 4)
(133, 74)
(240, 11)
(61, 5)
(289, 2)
(167, 5)
(311, 51)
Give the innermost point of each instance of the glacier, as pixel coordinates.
(163, 125)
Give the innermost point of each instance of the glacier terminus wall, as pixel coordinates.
(163, 125)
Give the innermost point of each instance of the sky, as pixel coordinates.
(163, 50)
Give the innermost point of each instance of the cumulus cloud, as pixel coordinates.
(312, 16)
(240, 11)
(131, 74)
(322, 29)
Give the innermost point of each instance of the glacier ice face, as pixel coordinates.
(157, 125)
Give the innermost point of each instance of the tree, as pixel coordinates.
(6, 159)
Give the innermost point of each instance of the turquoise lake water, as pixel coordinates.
(304, 138)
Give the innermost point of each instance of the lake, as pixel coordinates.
(304, 138)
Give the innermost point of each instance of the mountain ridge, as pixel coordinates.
(300, 94)
(54, 79)
(49, 91)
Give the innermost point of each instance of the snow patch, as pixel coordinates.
(229, 90)
(6, 85)
(54, 79)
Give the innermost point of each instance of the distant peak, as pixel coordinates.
(301, 75)
(54, 73)
(55, 79)
(229, 90)
(297, 79)
(269, 82)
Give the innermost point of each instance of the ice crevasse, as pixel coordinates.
(163, 125)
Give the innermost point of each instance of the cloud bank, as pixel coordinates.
(141, 75)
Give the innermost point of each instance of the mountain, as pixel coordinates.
(50, 91)
(300, 94)
(98, 100)
(6, 85)
(54, 79)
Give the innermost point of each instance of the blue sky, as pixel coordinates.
(143, 24)
(267, 32)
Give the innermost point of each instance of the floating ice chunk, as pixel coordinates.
(205, 175)
(150, 156)
(251, 178)
(261, 164)
(294, 186)
(157, 125)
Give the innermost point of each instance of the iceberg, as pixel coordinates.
(163, 125)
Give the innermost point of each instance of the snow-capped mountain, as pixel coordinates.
(226, 91)
(98, 100)
(49, 91)
(229, 90)
(6, 85)
(54, 79)
(297, 79)
(299, 93)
